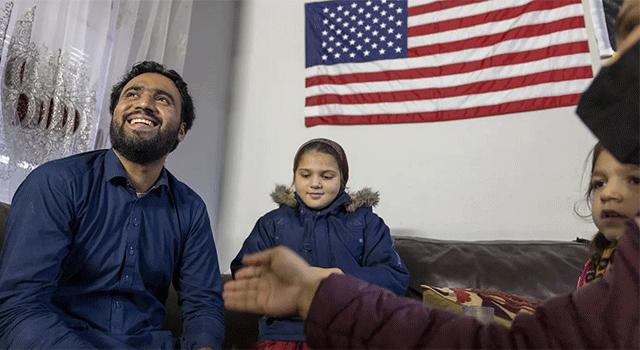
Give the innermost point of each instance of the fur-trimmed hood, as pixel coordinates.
(366, 197)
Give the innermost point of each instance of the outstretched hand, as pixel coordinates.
(275, 282)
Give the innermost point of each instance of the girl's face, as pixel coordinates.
(317, 179)
(616, 195)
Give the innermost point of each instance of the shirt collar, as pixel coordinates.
(114, 170)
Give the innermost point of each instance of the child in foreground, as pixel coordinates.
(614, 197)
(334, 231)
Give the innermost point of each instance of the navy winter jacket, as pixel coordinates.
(346, 234)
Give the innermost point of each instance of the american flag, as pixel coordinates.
(390, 61)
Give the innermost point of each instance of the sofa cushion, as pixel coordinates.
(533, 269)
(505, 306)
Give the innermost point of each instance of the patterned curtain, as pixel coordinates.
(59, 60)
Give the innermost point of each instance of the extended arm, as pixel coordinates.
(38, 237)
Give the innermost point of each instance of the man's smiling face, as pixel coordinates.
(146, 122)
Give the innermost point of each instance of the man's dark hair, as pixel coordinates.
(187, 112)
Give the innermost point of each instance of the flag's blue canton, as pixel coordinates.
(355, 31)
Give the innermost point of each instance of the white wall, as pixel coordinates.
(514, 176)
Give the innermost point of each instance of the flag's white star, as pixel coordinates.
(366, 52)
(398, 49)
(374, 46)
(352, 54)
(324, 57)
(382, 51)
(336, 55)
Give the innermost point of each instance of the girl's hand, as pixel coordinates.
(275, 282)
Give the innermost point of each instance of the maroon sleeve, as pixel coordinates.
(348, 313)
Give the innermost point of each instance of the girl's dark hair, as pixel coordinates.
(187, 111)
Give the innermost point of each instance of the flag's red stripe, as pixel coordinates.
(454, 68)
(479, 87)
(528, 31)
(491, 16)
(438, 6)
(483, 111)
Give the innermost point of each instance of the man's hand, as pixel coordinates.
(275, 282)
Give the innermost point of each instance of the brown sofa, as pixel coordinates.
(535, 269)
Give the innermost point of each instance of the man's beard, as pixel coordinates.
(142, 151)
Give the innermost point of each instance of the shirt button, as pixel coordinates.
(118, 305)
(136, 224)
(131, 251)
(307, 247)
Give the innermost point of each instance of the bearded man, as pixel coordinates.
(93, 241)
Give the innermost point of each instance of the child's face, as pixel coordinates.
(317, 179)
(616, 195)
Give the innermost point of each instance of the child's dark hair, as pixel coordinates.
(599, 242)
(329, 147)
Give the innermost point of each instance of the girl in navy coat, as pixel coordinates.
(334, 231)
